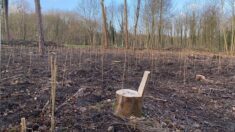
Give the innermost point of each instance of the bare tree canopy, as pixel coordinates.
(151, 24)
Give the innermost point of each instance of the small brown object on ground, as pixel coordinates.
(200, 78)
(203, 79)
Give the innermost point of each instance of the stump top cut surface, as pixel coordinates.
(127, 93)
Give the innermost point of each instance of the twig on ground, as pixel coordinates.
(45, 106)
(16, 76)
(71, 97)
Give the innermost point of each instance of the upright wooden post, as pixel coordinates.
(53, 90)
(23, 125)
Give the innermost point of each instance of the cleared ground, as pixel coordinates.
(173, 100)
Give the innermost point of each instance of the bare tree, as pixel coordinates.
(149, 16)
(232, 3)
(40, 26)
(119, 19)
(104, 27)
(161, 23)
(126, 24)
(111, 12)
(165, 7)
(136, 20)
(5, 5)
(23, 7)
(88, 9)
(192, 26)
(223, 28)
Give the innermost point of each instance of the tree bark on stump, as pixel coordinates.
(129, 102)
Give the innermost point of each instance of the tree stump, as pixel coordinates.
(129, 102)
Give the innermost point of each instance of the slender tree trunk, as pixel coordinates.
(104, 27)
(40, 26)
(181, 36)
(25, 30)
(223, 29)
(225, 41)
(152, 36)
(160, 24)
(146, 45)
(232, 36)
(23, 26)
(126, 24)
(136, 22)
(5, 5)
(172, 35)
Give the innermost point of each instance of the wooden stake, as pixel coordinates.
(23, 125)
(53, 90)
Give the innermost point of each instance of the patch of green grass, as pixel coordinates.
(77, 46)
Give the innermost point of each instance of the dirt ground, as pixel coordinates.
(173, 101)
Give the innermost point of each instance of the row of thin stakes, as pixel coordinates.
(53, 94)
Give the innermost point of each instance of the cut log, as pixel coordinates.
(129, 102)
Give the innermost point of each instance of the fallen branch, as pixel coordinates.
(45, 106)
(16, 76)
(72, 97)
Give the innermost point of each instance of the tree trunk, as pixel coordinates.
(104, 28)
(40, 27)
(136, 21)
(152, 36)
(223, 29)
(126, 24)
(172, 35)
(24, 31)
(181, 36)
(160, 24)
(5, 5)
(232, 36)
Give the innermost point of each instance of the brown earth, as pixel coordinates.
(173, 100)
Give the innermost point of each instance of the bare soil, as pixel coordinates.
(173, 99)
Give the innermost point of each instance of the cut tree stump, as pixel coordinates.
(129, 102)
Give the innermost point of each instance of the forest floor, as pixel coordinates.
(173, 100)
